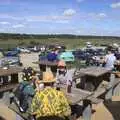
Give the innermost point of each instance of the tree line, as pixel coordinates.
(8, 36)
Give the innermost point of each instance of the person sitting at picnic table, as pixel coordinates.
(110, 60)
(49, 103)
(53, 57)
(28, 73)
(23, 94)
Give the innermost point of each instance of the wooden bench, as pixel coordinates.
(12, 71)
(8, 87)
(78, 95)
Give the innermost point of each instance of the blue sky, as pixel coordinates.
(81, 17)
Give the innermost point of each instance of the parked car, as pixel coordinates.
(79, 54)
(34, 48)
(10, 58)
(24, 50)
(67, 56)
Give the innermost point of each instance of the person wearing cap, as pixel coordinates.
(61, 71)
(64, 74)
(49, 102)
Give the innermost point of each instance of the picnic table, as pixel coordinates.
(93, 76)
(100, 81)
(83, 98)
(95, 71)
(44, 64)
(9, 78)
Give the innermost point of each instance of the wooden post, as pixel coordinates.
(109, 93)
(87, 110)
(116, 91)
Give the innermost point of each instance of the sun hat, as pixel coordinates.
(48, 77)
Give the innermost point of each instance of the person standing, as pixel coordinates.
(49, 102)
(110, 60)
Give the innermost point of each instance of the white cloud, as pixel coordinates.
(42, 18)
(4, 23)
(69, 12)
(115, 5)
(6, 16)
(18, 26)
(102, 15)
(62, 21)
(51, 18)
(97, 15)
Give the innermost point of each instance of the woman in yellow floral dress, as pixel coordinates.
(50, 102)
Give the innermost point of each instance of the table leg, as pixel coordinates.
(82, 83)
(87, 111)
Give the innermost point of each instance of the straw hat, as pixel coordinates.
(61, 63)
(48, 77)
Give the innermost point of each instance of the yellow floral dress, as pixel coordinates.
(50, 102)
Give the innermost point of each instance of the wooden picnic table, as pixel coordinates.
(10, 70)
(46, 62)
(83, 98)
(7, 84)
(95, 71)
(76, 95)
(93, 76)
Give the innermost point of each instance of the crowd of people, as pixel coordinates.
(41, 94)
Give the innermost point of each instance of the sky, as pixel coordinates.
(79, 17)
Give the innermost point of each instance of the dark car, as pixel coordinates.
(79, 54)
(11, 53)
(12, 57)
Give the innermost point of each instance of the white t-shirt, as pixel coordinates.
(67, 78)
(110, 60)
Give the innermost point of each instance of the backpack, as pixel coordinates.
(21, 96)
(19, 91)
